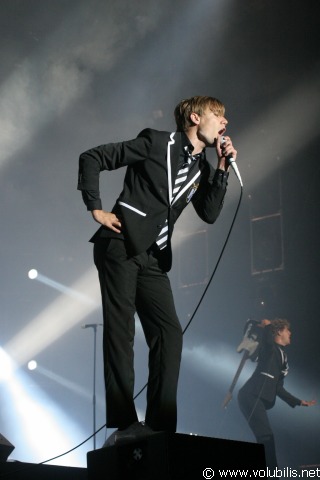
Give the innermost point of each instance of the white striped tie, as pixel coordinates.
(163, 237)
(182, 174)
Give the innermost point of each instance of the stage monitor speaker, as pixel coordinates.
(29, 471)
(5, 448)
(165, 456)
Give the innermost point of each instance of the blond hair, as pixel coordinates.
(197, 105)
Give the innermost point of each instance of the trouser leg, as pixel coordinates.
(270, 450)
(255, 413)
(117, 276)
(162, 329)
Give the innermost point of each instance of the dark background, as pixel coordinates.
(76, 74)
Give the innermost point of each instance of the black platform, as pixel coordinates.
(30, 471)
(165, 456)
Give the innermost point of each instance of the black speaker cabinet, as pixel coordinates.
(29, 471)
(165, 456)
(5, 448)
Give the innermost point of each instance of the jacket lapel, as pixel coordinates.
(173, 150)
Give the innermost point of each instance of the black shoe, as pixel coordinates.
(136, 431)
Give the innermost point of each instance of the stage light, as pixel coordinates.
(66, 311)
(32, 274)
(32, 365)
(31, 415)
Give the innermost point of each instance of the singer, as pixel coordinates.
(132, 251)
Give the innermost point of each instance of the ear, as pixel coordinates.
(195, 118)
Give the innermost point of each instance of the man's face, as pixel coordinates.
(211, 126)
(284, 336)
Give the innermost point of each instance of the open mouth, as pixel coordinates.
(221, 132)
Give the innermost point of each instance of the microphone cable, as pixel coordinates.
(217, 264)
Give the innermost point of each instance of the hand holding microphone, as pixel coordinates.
(231, 161)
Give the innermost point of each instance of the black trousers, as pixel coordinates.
(132, 285)
(254, 410)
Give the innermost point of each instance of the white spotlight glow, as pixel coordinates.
(32, 416)
(6, 368)
(32, 365)
(32, 274)
(58, 318)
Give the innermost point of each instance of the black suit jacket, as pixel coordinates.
(267, 381)
(146, 200)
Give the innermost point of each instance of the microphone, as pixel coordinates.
(233, 164)
(91, 325)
